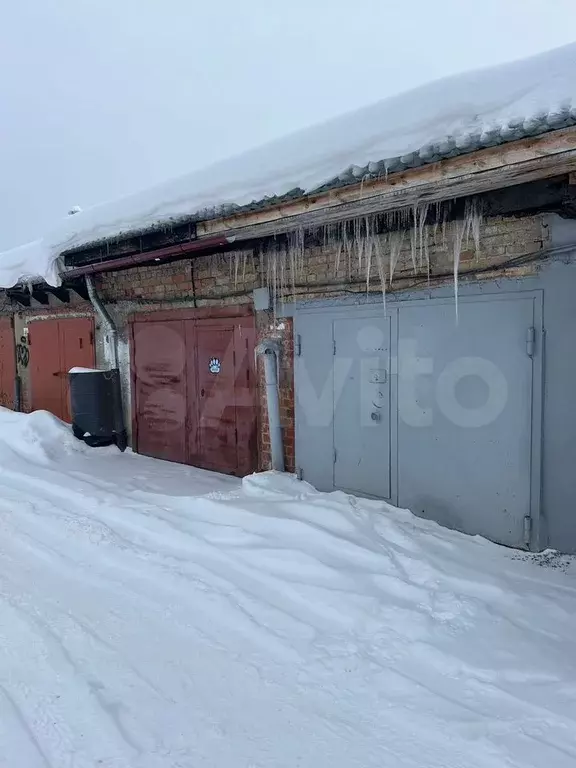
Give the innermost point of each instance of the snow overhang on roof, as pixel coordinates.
(450, 117)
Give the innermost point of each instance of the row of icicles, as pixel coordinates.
(372, 243)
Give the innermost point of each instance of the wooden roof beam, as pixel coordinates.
(40, 296)
(19, 296)
(499, 167)
(62, 294)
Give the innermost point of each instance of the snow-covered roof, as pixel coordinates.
(456, 115)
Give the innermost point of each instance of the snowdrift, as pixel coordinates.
(38, 437)
(157, 616)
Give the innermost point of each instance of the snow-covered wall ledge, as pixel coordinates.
(29, 262)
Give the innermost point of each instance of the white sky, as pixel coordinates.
(99, 98)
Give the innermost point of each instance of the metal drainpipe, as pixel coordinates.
(107, 321)
(270, 349)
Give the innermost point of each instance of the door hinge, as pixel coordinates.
(299, 473)
(530, 341)
(527, 537)
(298, 345)
(335, 455)
(333, 346)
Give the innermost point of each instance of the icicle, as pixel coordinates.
(422, 217)
(275, 283)
(359, 243)
(473, 218)
(437, 212)
(339, 247)
(283, 276)
(459, 232)
(444, 229)
(381, 271)
(396, 242)
(287, 257)
(236, 268)
(297, 244)
(347, 244)
(427, 253)
(369, 247)
(280, 274)
(413, 234)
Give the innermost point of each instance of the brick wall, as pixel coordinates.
(268, 327)
(329, 270)
(325, 271)
(222, 279)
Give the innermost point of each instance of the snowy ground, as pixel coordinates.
(155, 616)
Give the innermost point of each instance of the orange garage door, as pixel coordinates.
(7, 363)
(55, 347)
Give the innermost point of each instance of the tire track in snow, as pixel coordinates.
(273, 627)
(15, 749)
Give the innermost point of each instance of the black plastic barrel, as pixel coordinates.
(96, 402)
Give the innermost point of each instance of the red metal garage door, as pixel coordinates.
(159, 389)
(55, 347)
(193, 386)
(7, 363)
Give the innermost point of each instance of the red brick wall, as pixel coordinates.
(223, 278)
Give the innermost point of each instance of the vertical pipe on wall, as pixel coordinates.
(107, 321)
(270, 349)
(121, 436)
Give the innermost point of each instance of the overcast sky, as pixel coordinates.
(99, 98)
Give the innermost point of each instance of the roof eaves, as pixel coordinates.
(429, 154)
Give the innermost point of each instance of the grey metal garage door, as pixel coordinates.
(465, 420)
(362, 405)
(435, 415)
